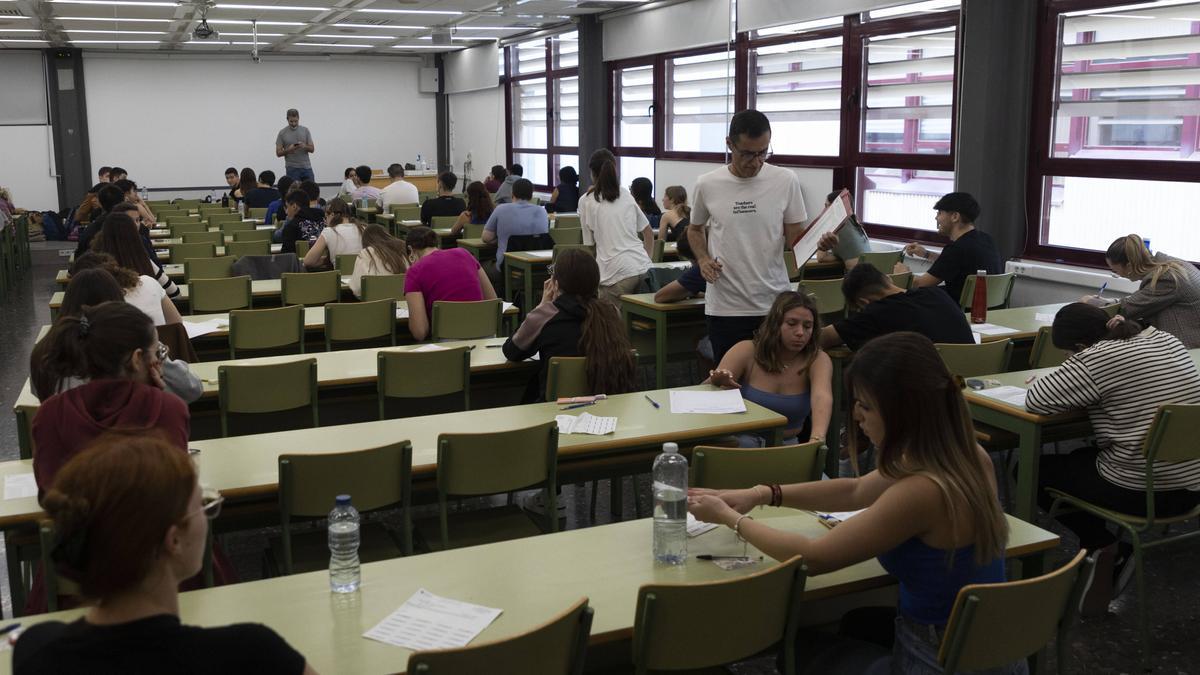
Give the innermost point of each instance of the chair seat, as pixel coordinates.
(483, 526)
(1122, 517)
(310, 550)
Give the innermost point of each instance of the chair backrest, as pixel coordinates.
(405, 211)
(440, 222)
(410, 374)
(559, 248)
(187, 203)
(902, 280)
(381, 286)
(184, 229)
(530, 242)
(466, 320)
(311, 288)
(985, 358)
(345, 263)
(567, 235)
(234, 226)
(257, 212)
(266, 388)
(183, 218)
(53, 585)
(357, 321)
(566, 221)
(673, 628)
(884, 261)
(302, 247)
(999, 288)
(423, 196)
(210, 296)
(557, 647)
(266, 329)
(731, 468)
(181, 252)
(992, 625)
(828, 295)
(1172, 434)
(220, 217)
(203, 237)
(1044, 354)
(656, 254)
(473, 231)
(253, 235)
(208, 268)
(566, 376)
(244, 248)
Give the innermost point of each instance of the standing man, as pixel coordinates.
(294, 143)
(744, 215)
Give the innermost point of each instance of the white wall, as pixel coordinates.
(815, 183)
(190, 116)
(472, 69)
(690, 24)
(29, 167)
(477, 127)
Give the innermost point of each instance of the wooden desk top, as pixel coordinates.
(259, 288)
(475, 243)
(175, 271)
(530, 579)
(647, 300)
(1023, 319)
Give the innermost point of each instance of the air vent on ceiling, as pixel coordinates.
(374, 22)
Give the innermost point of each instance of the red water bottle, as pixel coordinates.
(979, 301)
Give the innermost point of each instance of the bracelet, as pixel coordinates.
(776, 495)
(737, 524)
(770, 493)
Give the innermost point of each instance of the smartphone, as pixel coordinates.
(975, 383)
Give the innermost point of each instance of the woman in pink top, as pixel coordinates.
(439, 274)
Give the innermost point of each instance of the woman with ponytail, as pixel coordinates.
(1169, 297)
(678, 214)
(341, 235)
(1121, 374)
(573, 321)
(615, 225)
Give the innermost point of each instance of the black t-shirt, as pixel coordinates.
(157, 644)
(963, 257)
(444, 205)
(261, 198)
(927, 311)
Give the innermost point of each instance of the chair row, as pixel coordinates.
(15, 258)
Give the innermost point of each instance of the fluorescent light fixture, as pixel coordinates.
(116, 42)
(286, 8)
(20, 30)
(247, 22)
(114, 19)
(353, 37)
(329, 44)
(123, 3)
(4, 39)
(421, 47)
(371, 25)
(252, 34)
(493, 27)
(467, 39)
(223, 43)
(121, 32)
(1122, 16)
(410, 11)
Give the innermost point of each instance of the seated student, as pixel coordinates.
(571, 320)
(399, 191)
(106, 198)
(117, 173)
(313, 191)
(887, 308)
(519, 217)
(303, 222)
(690, 284)
(103, 173)
(275, 208)
(340, 236)
(350, 184)
(643, 193)
(89, 208)
(847, 244)
(495, 179)
(131, 525)
(1169, 295)
(141, 291)
(478, 209)
(247, 182)
(365, 190)
(1121, 374)
(783, 369)
(450, 274)
(381, 254)
(263, 193)
(504, 193)
(120, 239)
(129, 190)
(565, 198)
(678, 214)
(232, 180)
(968, 252)
(934, 520)
(617, 227)
(445, 204)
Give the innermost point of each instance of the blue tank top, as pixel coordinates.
(795, 407)
(927, 586)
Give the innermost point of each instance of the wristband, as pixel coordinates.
(776, 495)
(737, 524)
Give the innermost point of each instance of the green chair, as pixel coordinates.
(212, 296)
(564, 235)
(973, 360)
(380, 286)
(473, 231)
(244, 248)
(207, 209)
(171, 212)
(257, 213)
(208, 268)
(443, 222)
(218, 218)
(674, 627)
(1171, 439)
(310, 288)
(181, 230)
(360, 321)
(559, 248)
(179, 220)
(268, 388)
(566, 221)
(1044, 354)
(234, 226)
(828, 295)
(376, 478)
(793, 271)
(215, 238)
(253, 235)
(884, 261)
(423, 196)
(302, 247)
(656, 254)
(405, 211)
(566, 376)
(188, 204)
(902, 280)
(557, 647)
(181, 252)
(992, 625)
(345, 263)
(258, 329)
(412, 376)
(731, 468)
(466, 320)
(491, 463)
(999, 288)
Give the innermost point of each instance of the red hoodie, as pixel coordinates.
(66, 423)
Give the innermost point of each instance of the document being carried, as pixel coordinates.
(827, 221)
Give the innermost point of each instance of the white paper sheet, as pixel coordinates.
(20, 486)
(991, 329)
(1006, 394)
(401, 310)
(586, 424)
(197, 328)
(508, 306)
(1043, 317)
(978, 338)
(695, 528)
(828, 220)
(708, 402)
(841, 516)
(427, 621)
(429, 348)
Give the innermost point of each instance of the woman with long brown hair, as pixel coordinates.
(572, 320)
(934, 521)
(1169, 296)
(121, 240)
(247, 181)
(479, 208)
(141, 291)
(381, 254)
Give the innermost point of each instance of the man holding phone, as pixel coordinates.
(294, 143)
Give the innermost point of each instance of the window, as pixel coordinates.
(531, 57)
(529, 114)
(543, 111)
(566, 105)
(633, 107)
(700, 100)
(900, 197)
(799, 86)
(909, 93)
(565, 50)
(1090, 213)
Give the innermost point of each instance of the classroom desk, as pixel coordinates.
(164, 254)
(174, 271)
(642, 305)
(531, 580)
(165, 232)
(478, 250)
(259, 289)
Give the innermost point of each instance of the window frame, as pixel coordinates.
(549, 77)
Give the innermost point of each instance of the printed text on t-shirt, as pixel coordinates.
(744, 207)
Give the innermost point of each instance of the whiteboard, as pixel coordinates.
(23, 83)
(180, 120)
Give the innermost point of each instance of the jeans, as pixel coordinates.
(726, 331)
(299, 173)
(613, 292)
(915, 652)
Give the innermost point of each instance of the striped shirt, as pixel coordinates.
(1122, 383)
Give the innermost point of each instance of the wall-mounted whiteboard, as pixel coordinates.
(180, 120)
(472, 69)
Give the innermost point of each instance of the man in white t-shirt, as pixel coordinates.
(743, 215)
(400, 191)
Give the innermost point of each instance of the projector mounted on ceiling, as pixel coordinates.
(203, 31)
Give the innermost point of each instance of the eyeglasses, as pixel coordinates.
(749, 156)
(210, 500)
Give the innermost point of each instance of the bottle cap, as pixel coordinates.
(670, 447)
(342, 500)
(981, 273)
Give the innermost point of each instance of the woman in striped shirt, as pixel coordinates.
(1120, 373)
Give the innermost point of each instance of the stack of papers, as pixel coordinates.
(991, 329)
(426, 621)
(197, 328)
(1006, 394)
(20, 486)
(586, 424)
(716, 402)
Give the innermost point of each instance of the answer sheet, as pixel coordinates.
(1006, 394)
(197, 328)
(586, 424)
(708, 402)
(20, 486)
(427, 621)
(991, 329)
(695, 528)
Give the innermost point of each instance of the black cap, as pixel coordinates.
(961, 203)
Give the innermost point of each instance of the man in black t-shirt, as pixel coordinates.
(968, 252)
(445, 204)
(887, 308)
(262, 196)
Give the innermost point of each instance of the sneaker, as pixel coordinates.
(1099, 590)
(1123, 568)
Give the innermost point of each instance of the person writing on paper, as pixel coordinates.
(783, 369)
(436, 274)
(1121, 374)
(572, 320)
(932, 516)
(969, 250)
(846, 244)
(131, 521)
(1169, 296)
(743, 215)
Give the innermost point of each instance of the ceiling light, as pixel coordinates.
(116, 42)
(493, 27)
(225, 43)
(4, 39)
(467, 39)
(124, 3)
(20, 30)
(121, 32)
(247, 22)
(371, 25)
(112, 18)
(409, 11)
(252, 34)
(286, 8)
(328, 44)
(421, 47)
(356, 37)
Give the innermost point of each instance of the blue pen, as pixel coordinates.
(1103, 286)
(652, 401)
(577, 405)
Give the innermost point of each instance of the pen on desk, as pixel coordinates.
(706, 556)
(1103, 286)
(9, 628)
(577, 405)
(652, 401)
(1031, 378)
(494, 346)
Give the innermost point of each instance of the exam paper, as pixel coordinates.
(586, 424)
(841, 516)
(401, 310)
(695, 528)
(708, 402)
(20, 486)
(991, 329)
(197, 328)
(429, 348)
(426, 621)
(828, 220)
(1042, 317)
(1006, 394)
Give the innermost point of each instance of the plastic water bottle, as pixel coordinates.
(242, 208)
(343, 546)
(670, 506)
(145, 193)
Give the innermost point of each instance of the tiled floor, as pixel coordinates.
(1106, 645)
